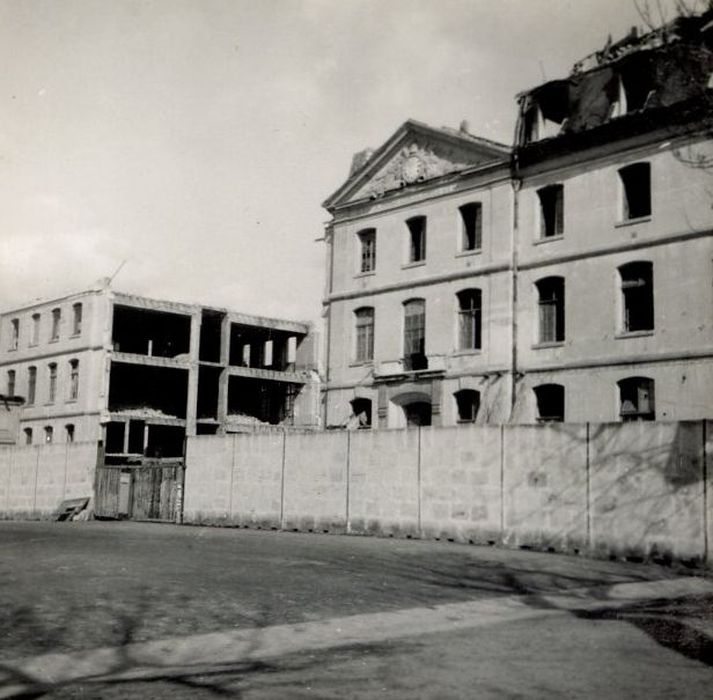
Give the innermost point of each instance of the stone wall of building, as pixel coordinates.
(632, 490)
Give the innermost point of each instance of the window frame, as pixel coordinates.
(551, 223)
(545, 392)
(56, 321)
(73, 379)
(417, 235)
(77, 318)
(36, 322)
(414, 334)
(14, 334)
(11, 380)
(367, 409)
(367, 251)
(551, 310)
(52, 383)
(470, 319)
(31, 385)
(638, 385)
(474, 398)
(643, 271)
(471, 228)
(364, 322)
(628, 196)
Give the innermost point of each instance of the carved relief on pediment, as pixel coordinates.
(415, 162)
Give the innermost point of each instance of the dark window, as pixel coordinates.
(417, 414)
(468, 402)
(52, 394)
(361, 408)
(69, 430)
(636, 399)
(417, 238)
(11, 382)
(28, 435)
(367, 241)
(49, 433)
(31, 384)
(637, 291)
(469, 319)
(364, 334)
(415, 335)
(551, 211)
(73, 379)
(472, 217)
(15, 337)
(636, 186)
(56, 318)
(551, 309)
(550, 403)
(77, 319)
(35, 329)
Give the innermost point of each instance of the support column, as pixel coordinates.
(224, 378)
(192, 401)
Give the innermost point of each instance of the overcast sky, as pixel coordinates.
(196, 139)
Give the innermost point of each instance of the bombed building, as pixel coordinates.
(141, 374)
(565, 278)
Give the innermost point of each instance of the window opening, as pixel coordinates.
(637, 290)
(472, 219)
(417, 238)
(361, 411)
(77, 319)
(636, 186)
(31, 384)
(69, 431)
(415, 335)
(551, 309)
(551, 211)
(550, 403)
(364, 334)
(367, 241)
(56, 318)
(636, 399)
(52, 394)
(35, 329)
(469, 319)
(11, 382)
(15, 333)
(28, 435)
(49, 433)
(468, 403)
(73, 379)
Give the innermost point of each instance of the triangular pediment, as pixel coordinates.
(416, 153)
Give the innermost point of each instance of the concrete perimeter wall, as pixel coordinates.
(35, 479)
(634, 490)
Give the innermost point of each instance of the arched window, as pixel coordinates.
(367, 250)
(468, 404)
(470, 316)
(415, 335)
(364, 318)
(361, 410)
(550, 403)
(551, 309)
(636, 399)
(637, 296)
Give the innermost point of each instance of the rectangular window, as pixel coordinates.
(364, 334)
(415, 335)
(417, 238)
(77, 319)
(56, 318)
(49, 433)
(14, 333)
(636, 399)
(69, 431)
(469, 319)
(472, 220)
(35, 329)
(468, 403)
(31, 384)
(73, 380)
(636, 187)
(637, 290)
(52, 394)
(367, 243)
(11, 382)
(551, 211)
(28, 435)
(550, 403)
(551, 309)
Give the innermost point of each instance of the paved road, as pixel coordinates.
(279, 615)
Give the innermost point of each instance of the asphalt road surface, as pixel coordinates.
(123, 610)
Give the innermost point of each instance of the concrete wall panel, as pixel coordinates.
(209, 464)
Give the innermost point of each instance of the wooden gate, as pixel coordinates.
(139, 492)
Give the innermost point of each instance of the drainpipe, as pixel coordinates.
(329, 239)
(516, 185)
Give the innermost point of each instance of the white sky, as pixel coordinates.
(196, 139)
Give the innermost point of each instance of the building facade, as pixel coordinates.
(141, 374)
(566, 279)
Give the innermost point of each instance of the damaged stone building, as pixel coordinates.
(567, 278)
(141, 374)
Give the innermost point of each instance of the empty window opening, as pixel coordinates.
(77, 319)
(137, 437)
(637, 292)
(415, 335)
(472, 220)
(470, 319)
(31, 384)
(35, 329)
(267, 353)
(417, 414)
(52, 392)
(252, 402)
(361, 413)
(364, 334)
(56, 319)
(148, 391)
(291, 351)
(367, 250)
(69, 432)
(164, 441)
(73, 380)
(468, 404)
(417, 238)
(208, 388)
(256, 346)
(550, 403)
(10, 390)
(210, 336)
(149, 332)
(636, 189)
(551, 211)
(114, 439)
(551, 309)
(28, 435)
(14, 333)
(49, 434)
(206, 429)
(636, 399)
